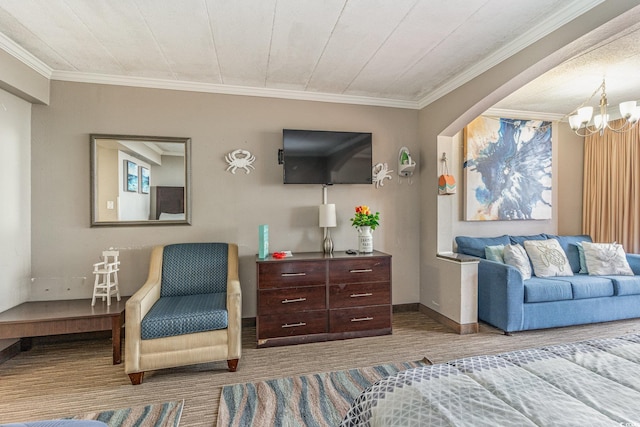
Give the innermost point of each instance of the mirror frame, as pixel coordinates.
(162, 139)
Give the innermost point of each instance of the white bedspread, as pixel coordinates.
(590, 383)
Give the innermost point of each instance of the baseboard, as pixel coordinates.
(8, 349)
(400, 308)
(461, 329)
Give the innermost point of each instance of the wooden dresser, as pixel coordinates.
(313, 297)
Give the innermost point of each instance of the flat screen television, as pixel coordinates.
(326, 157)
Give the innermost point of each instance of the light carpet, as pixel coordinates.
(310, 400)
(155, 415)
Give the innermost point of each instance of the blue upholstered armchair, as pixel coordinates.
(188, 311)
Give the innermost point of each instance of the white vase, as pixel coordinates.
(365, 239)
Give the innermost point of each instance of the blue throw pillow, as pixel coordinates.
(474, 246)
(582, 258)
(495, 253)
(570, 246)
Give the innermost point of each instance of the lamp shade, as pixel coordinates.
(327, 215)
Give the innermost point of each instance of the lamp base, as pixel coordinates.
(327, 245)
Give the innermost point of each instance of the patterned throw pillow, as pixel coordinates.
(548, 258)
(606, 258)
(515, 256)
(494, 253)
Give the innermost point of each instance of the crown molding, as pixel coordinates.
(524, 115)
(23, 56)
(106, 79)
(563, 16)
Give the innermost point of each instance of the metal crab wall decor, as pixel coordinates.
(380, 172)
(240, 159)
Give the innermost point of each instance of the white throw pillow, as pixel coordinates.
(515, 256)
(548, 258)
(606, 258)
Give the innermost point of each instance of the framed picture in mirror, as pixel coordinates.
(131, 181)
(144, 180)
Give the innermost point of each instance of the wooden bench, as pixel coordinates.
(44, 318)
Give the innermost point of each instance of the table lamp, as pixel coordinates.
(327, 220)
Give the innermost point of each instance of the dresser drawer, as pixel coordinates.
(360, 270)
(359, 294)
(290, 324)
(283, 274)
(274, 301)
(360, 319)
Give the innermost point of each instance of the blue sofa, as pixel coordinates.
(510, 303)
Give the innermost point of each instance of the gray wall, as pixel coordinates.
(226, 207)
(15, 188)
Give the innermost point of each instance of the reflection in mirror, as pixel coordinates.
(140, 180)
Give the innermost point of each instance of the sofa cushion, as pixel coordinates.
(475, 245)
(586, 286)
(625, 285)
(569, 245)
(548, 258)
(194, 268)
(538, 289)
(186, 314)
(606, 258)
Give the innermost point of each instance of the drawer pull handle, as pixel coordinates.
(293, 325)
(367, 294)
(287, 301)
(293, 274)
(364, 270)
(361, 319)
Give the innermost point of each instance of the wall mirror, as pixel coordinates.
(140, 180)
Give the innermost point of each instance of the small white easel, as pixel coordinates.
(106, 272)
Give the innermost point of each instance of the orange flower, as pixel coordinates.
(364, 217)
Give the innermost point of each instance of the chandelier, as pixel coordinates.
(582, 124)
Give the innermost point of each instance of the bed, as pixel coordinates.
(169, 203)
(588, 383)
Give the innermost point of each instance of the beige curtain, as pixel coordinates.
(611, 190)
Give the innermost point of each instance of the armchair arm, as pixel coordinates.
(138, 306)
(500, 295)
(234, 311)
(634, 263)
(234, 305)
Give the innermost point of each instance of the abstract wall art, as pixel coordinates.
(507, 170)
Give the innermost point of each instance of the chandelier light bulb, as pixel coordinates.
(600, 121)
(635, 115)
(627, 109)
(585, 114)
(574, 122)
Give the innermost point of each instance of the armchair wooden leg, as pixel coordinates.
(233, 364)
(136, 378)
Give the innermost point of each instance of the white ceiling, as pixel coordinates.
(403, 53)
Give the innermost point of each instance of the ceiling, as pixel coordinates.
(402, 53)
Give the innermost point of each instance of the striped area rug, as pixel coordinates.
(156, 415)
(311, 400)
